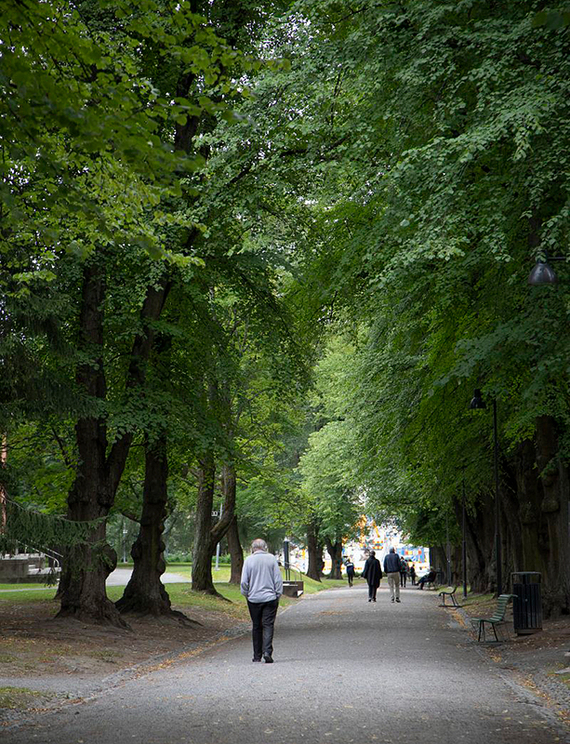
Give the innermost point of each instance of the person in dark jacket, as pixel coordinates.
(372, 573)
(392, 569)
(349, 571)
(403, 572)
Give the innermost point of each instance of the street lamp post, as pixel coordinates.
(219, 545)
(464, 543)
(286, 558)
(477, 402)
(447, 551)
(125, 532)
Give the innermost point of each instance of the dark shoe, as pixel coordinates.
(268, 659)
(392, 599)
(256, 659)
(370, 600)
(374, 600)
(397, 599)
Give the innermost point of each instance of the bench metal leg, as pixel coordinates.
(482, 632)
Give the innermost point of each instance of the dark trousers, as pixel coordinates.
(372, 591)
(263, 619)
(350, 577)
(403, 578)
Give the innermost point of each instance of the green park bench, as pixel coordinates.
(496, 618)
(449, 592)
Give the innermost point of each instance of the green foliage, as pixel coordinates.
(37, 530)
(371, 206)
(328, 469)
(84, 150)
(449, 182)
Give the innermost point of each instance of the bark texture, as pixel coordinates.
(540, 516)
(534, 515)
(207, 534)
(314, 550)
(82, 586)
(236, 551)
(335, 552)
(145, 594)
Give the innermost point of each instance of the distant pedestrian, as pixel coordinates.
(403, 572)
(372, 573)
(429, 578)
(349, 565)
(262, 584)
(413, 574)
(392, 570)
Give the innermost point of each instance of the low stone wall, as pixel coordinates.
(13, 569)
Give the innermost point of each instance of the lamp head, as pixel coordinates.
(543, 273)
(477, 401)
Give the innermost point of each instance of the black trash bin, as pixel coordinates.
(527, 605)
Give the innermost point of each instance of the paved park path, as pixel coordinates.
(346, 671)
(118, 577)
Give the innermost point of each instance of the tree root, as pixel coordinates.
(104, 616)
(141, 609)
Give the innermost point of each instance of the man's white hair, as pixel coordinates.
(258, 544)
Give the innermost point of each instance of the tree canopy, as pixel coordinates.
(278, 245)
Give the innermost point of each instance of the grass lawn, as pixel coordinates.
(223, 575)
(20, 698)
(180, 594)
(23, 593)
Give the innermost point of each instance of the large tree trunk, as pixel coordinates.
(82, 586)
(204, 544)
(479, 534)
(3, 494)
(437, 560)
(554, 509)
(542, 513)
(207, 536)
(236, 551)
(314, 551)
(335, 552)
(145, 593)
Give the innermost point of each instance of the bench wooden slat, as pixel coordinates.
(497, 617)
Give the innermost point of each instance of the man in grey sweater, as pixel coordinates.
(262, 584)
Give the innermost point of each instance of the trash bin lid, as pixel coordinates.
(524, 574)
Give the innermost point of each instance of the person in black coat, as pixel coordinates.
(372, 573)
(427, 577)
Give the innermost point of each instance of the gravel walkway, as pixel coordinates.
(346, 671)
